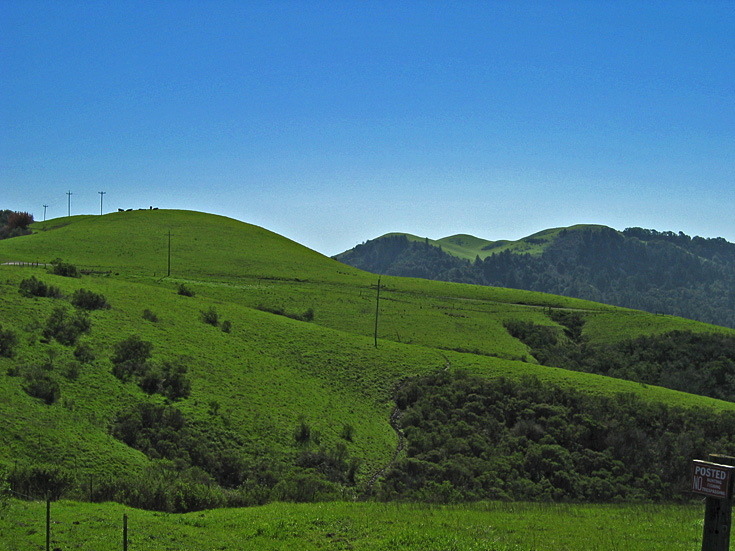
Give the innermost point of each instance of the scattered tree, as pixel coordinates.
(8, 340)
(66, 328)
(89, 300)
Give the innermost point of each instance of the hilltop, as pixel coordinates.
(664, 272)
(254, 372)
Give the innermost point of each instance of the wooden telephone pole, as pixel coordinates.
(377, 310)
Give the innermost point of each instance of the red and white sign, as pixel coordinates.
(712, 479)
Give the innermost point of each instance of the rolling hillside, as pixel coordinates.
(292, 398)
(636, 268)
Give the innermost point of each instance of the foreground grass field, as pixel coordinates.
(360, 526)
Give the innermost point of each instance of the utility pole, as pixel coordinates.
(44, 212)
(68, 203)
(377, 309)
(169, 253)
(102, 194)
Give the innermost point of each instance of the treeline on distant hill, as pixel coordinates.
(471, 438)
(660, 272)
(14, 224)
(697, 363)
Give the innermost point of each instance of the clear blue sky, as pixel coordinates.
(335, 122)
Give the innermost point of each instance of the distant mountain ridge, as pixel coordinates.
(660, 272)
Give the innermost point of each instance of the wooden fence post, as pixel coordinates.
(48, 524)
(718, 514)
(125, 532)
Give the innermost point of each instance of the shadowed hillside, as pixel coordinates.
(636, 268)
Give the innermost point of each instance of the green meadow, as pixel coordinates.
(373, 526)
(301, 353)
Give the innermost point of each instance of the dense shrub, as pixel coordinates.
(150, 316)
(61, 268)
(215, 469)
(226, 326)
(308, 315)
(302, 433)
(73, 369)
(83, 353)
(168, 379)
(698, 363)
(184, 291)
(471, 438)
(162, 487)
(5, 493)
(306, 487)
(41, 480)
(14, 224)
(130, 357)
(32, 287)
(210, 316)
(66, 328)
(8, 341)
(348, 432)
(89, 300)
(39, 384)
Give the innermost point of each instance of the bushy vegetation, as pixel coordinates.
(213, 469)
(130, 357)
(307, 315)
(89, 300)
(148, 315)
(5, 493)
(698, 363)
(39, 383)
(8, 341)
(32, 287)
(131, 360)
(61, 268)
(83, 353)
(66, 328)
(167, 378)
(470, 438)
(210, 316)
(185, 291)
(14, 224)
(41, 481)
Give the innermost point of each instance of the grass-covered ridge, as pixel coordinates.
(306, 398)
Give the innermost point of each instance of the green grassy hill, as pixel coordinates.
(254, 388)
(469, 247)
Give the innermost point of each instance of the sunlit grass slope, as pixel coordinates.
(361, 526)
(202, 245)
(270, 371)
(470, 247)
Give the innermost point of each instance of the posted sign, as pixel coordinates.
(712, 479)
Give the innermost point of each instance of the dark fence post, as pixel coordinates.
(125, 532)
(48, 524)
